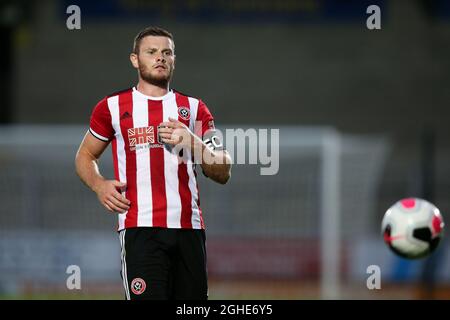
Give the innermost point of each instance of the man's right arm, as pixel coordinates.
(87, 169)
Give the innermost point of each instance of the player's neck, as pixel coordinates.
(151, 90)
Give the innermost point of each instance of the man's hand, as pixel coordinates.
(108, 191)
(216, 164)
(109, 196)
(175, 133)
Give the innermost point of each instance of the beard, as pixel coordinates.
(161, 81)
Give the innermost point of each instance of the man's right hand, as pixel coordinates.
(109, 196)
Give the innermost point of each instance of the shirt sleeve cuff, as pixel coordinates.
(98, 136)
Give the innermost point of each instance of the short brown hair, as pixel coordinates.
(150, 31)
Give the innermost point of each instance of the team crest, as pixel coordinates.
(138, 286)
(184, 113)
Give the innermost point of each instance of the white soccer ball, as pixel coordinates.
(412, 228)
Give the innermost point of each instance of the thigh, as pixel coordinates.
(190, 280)
(146, 264)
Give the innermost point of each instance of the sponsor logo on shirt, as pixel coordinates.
(142, 138)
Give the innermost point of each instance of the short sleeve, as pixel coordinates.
(100, 123)
(207, 129)
(204, 119)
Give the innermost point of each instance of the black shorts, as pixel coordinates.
(160, 263)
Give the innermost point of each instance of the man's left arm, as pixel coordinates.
(214, 160)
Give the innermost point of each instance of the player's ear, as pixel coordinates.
(134, 60)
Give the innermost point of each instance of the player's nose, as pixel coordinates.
(160, 58)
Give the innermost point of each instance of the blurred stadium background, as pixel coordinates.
(363, 118)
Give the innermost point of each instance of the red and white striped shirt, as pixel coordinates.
(163, 190)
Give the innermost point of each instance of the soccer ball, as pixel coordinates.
(412, 228)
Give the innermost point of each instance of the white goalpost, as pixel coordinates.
(330, 245)
(326, 143)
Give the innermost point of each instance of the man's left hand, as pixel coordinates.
(175, 133)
